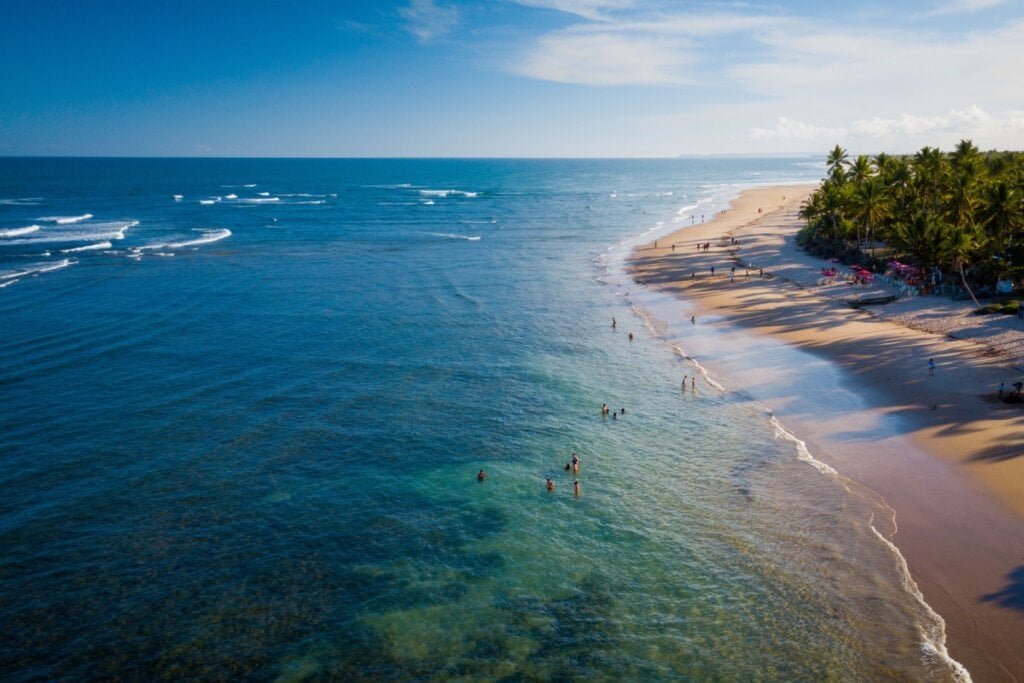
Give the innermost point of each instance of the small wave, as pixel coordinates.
(263, 194)
(36, 269)
(65, 220)
(88, 247)
(207, 201)
(259, 200)
(448, 193)
(231, 196)
(208, 237)
(300, 194)
(112, 230)
(454, 236)
(250, 185)
(8, 282)
(21, 201)
(178, 197)
(17, 232)
(312, 201)
(163, 253)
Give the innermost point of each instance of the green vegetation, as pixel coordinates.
(957, 215)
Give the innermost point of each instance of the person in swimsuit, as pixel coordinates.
(481, 475)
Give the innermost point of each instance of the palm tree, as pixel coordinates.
(835, 161)
(922, 238)
(860, 169)
(966, 156)
(871, 205)
(929, 168)
(1002, 212)
(960, 246)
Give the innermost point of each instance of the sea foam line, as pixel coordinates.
(113, 230)
(65, 220)
(36, 269)
(16, 232)
(208, 237)
(88, 247)
(453, 236)
(448, 193)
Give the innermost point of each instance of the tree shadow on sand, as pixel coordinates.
(1012, 596)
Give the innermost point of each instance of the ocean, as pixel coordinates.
(245, 403)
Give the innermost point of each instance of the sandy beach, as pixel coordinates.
(941, 450)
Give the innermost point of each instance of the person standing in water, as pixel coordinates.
(613, 322)
(551, 485)
(481, 475)
(576, 488)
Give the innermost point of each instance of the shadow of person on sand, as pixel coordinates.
(1013, 595)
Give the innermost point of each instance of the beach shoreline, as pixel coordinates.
(940, 449)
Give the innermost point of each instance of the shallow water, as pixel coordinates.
(257, 457)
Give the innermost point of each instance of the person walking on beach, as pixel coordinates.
(931, 366)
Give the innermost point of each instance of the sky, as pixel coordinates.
(507, 78)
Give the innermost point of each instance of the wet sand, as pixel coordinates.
(941, 449)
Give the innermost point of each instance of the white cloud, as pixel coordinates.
(790, 129)
(963, 6)
(970, 122)
(588, 9)
(606, 59)
(427, 21)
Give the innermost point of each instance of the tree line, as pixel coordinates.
(959, 213)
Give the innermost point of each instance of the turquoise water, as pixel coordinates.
(242, 438)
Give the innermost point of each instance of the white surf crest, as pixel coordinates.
(208, 236)
(17, 232)
(454, 236)
(35, 269)
(65, 220)
(88, 247)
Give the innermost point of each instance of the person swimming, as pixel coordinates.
(481, 475)
(604, 408)
(550, 485)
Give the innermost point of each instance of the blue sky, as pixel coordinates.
(581, 78)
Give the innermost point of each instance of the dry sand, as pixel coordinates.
(944, 453)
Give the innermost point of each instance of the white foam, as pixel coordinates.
(36, 269)
(263, 194)
(208, 237)
(453, 236)
(312, 201)
(88, 247)
(178, 197)
(447, 193)
(21, 201)
(231, 196)
(16, 232)
(429, 202)
(260, 200)
(933, 635)
(111, 230)
(207, 201)
(65, 220)
(250, 185)
(8, 282)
